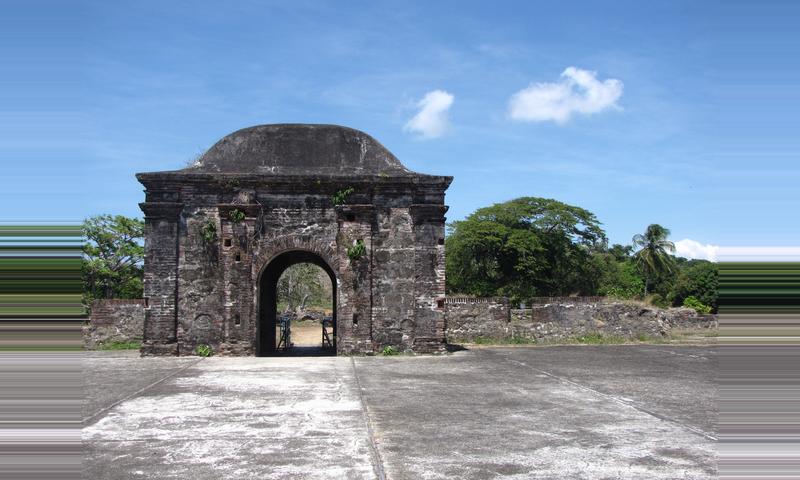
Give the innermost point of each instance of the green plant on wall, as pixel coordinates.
(230, 183)
(209, 231)
(357, 251)
(340, 197)
(236, 215)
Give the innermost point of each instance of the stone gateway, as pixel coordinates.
(219, 233)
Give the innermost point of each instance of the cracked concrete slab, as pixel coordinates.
(556, 412)
(493, 413)
(275, 418)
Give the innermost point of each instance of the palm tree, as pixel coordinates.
(653, 256)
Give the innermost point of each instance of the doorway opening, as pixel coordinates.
(297, 306)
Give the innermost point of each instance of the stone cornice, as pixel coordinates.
(166, 210)
(159, 180)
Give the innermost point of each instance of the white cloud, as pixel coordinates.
(432, 120)
(578, 92)
(688, 248)
(759, 254)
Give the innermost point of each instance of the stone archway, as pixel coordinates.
(263, 195)
(267, 294)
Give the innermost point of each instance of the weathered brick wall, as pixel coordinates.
(468, 319)
(114, 320)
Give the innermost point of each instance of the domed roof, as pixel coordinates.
(299, 149)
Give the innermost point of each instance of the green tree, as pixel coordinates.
(113, 257)
(698, 279)
(524, 247)
(618, 278)
(302, 285)
(654, 256)
(620, 252)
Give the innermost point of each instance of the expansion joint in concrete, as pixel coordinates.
(377, 462)
(103, 410)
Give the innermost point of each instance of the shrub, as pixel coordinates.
(236, 215)
(357, 251)
(209, 231)
(340, 197)
(204, 350)
(697, 305)
(658, 300)
(389, 351)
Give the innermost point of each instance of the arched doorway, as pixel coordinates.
(268, 298)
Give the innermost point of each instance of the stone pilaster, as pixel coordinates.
(354, 318)
(236, 259)
(160, 277)
(429, 277)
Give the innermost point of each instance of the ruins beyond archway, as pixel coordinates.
(281, 193)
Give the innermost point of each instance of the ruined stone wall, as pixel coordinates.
(114, 320)
(564, 319)
(469, 319)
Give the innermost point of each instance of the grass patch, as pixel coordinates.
(502, 341)
(119, 346)
(679, 336)
(688, 335)
(600, 339)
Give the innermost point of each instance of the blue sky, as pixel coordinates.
(701, 135)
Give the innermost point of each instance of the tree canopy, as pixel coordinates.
(532, 247)
(523, 248)
(113, 257)
(698, 279)
(304, 285)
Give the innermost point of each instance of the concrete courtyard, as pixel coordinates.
(593, 412)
